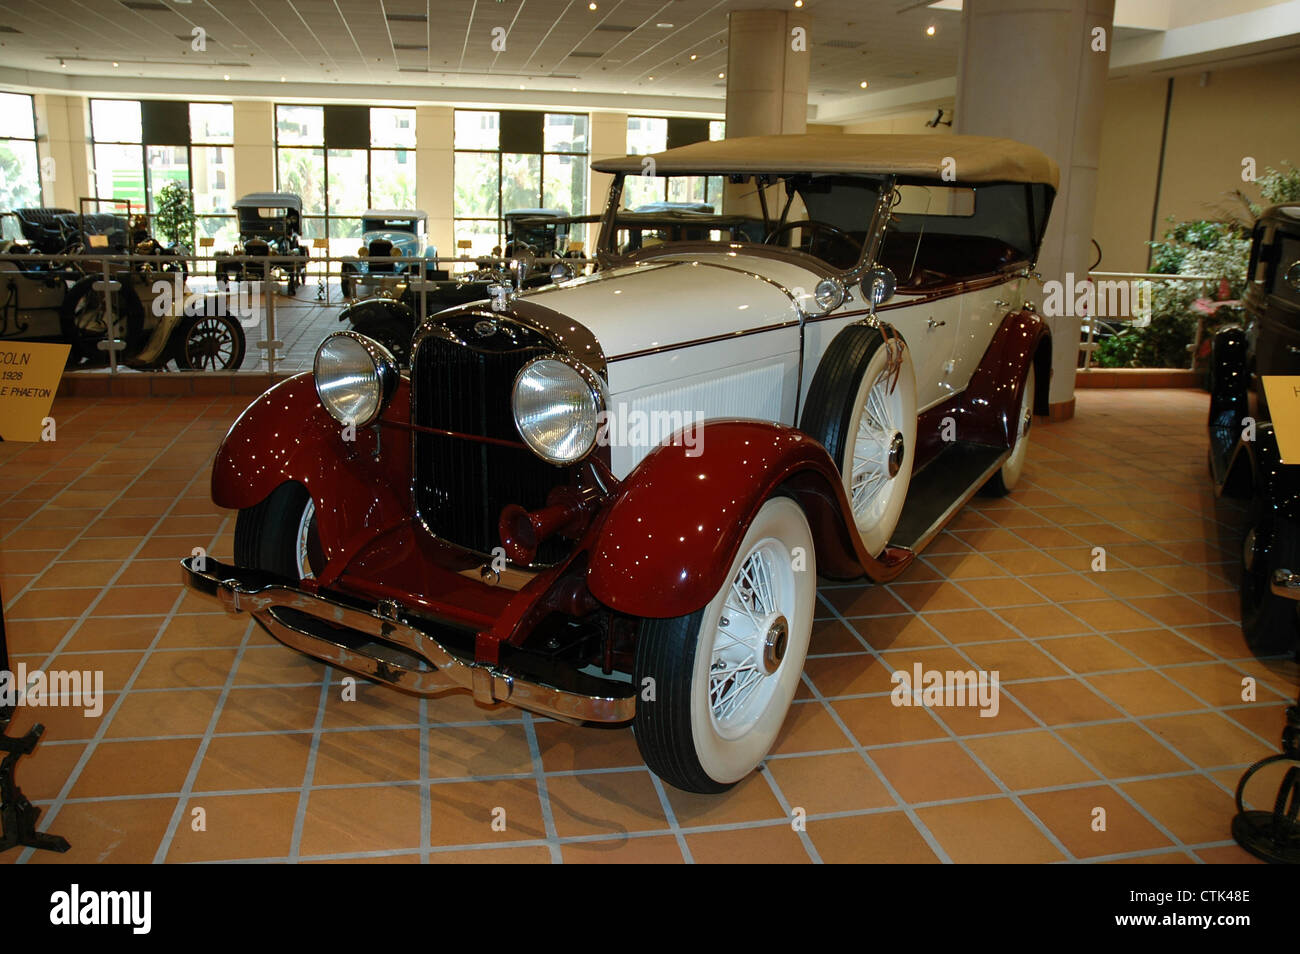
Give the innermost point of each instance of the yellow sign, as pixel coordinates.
(1282, 392)
(29, 376)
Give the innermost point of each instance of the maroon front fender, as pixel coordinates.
(668, 541)
(360, 487)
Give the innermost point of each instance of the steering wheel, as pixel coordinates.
(816, 229)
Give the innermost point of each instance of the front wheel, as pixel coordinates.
(280, 535)
(1272, 542)
(716, 684)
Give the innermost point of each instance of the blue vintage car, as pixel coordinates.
(386, 234)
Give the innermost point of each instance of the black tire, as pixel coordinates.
(393, 334)
(1008, 475)
(832, 407)
(211, 343)
(668, 646)
(1271, 542)
(80, 318)
(266, 534)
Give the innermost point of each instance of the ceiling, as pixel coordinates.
(623, 46)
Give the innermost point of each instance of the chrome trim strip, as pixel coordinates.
(271, 604)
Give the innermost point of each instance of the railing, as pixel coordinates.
(1088, 344)
(113, 267)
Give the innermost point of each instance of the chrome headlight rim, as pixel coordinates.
(386, 370)
(828, 294)
(596, 391)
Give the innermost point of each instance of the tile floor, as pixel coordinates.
(1122, 690)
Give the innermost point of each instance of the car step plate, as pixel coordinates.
(941, 489)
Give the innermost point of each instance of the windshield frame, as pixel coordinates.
(608, 255)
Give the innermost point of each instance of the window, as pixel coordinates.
(343, 160)
(20, 169)
(514, 159)
(141, 146)
(651, 134)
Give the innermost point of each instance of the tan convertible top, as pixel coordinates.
(974, 158)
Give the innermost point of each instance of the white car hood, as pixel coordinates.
(680, 298)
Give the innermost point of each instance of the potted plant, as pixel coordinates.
(174, 220)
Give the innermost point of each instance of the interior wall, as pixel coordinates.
(1213, 128)
(913, 122)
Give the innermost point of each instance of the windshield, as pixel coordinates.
(825, 216)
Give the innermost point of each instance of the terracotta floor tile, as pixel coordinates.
(1025, 563)
(566, 748)
(365, 703)
(235, 763)
(1089, 653)
(653, 850)
(1109, 616)
(1065, 587)
(1160, 647)
(36, 635)
(938, 595)
(848, 675)
(1221, 684)
(390, 820)
(475, 751)
(47, 604)
(185, 668)
(256, 709)
(821, 784)
(832, 636)
(1194, 809)
(1227, 855)
(990, 540)
(136, 768)
(493, 856)
(485, 812)
(1209, 739)
(883, 838)
(276, 665)
(1121, 750)
(876, 720)
(1264, 719)
(1175, 610)
(771, 844)
(137, 600)
(1035, 621)
(116, 667)
(866, 601)
(1072, 815)
(202, 632)
(965, 566)
(809, 727)
(361, 756)
(990, 831)
(1013, 659)
(236, 826)
(932, 771)
(892, 632)
(605, 803)
(1144, 693)
(1027, 760)
(970, 719)
(170, 712)
(999, 593)
(113, 832)
(95, 573)
(970, 626)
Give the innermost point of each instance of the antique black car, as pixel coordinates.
(1245, 453)
(270, 227)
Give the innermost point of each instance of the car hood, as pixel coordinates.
(680, 298)
(404, 240)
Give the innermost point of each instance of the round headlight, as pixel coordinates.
(561, 272)
(556, 405)
(355, 377)
(829, 294)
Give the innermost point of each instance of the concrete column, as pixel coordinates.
(1035, 71)
(434, 174)
(767, 72)
(63, 136)
(254, 150)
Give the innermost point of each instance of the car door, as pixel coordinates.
(982, 309)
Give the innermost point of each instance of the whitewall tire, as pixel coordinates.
(721, 679)
(1005, 480)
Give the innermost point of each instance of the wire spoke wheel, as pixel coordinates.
(209, 345)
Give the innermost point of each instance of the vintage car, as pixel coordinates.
(60, 298)
(385, 234)
(270, 227)
(1245, 456)
(609, 499)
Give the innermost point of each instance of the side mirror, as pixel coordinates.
(1292, 276)
(878, 286)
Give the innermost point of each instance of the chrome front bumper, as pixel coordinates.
(319, 627)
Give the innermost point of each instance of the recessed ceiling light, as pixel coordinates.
(115, 62)
(281, 79)
(591, 6)
(664, 26)
(722, 76)
(521, 85)
(651, 78)
(929, 31)
(798, 3)
(226, 76)
(692, 56)
(863, 84)
(63, 63)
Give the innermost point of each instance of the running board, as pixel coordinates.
(943, 488)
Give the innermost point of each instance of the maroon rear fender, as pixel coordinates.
(360, 487)
(668, 541)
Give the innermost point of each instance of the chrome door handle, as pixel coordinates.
(935, 324)
(1001, 302)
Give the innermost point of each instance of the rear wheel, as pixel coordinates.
(280, 535)
(716, 684)
(1005, 480)
(212, 343)
(83, 318)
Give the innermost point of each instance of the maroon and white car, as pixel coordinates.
(609, 500)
